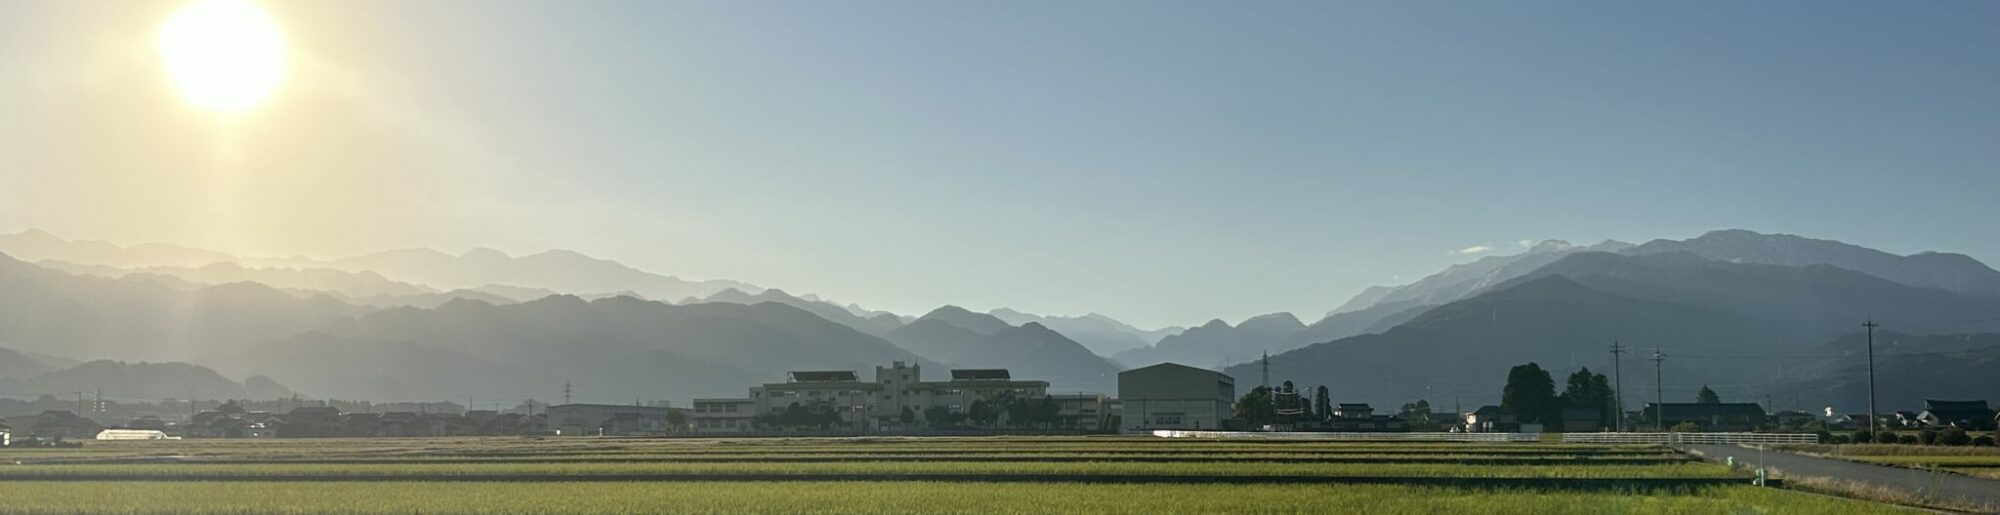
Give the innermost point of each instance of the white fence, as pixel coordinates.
(1692, 438)
(1355, 437)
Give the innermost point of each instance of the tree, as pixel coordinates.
(1531, 395)
(982, 413)
(941, 417)
(1045, 412)
(909, 416)
(1418, 416)
(1255, 407)
(1707, 396)
(1591, 390)
(1323, 404)
(676, 420)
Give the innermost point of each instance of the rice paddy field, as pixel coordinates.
(879, 475)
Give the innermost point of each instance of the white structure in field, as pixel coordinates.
(134, 434)
(1174, 396)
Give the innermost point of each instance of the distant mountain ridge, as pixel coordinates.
(1101, 334)
(963, 338)
(556, 270)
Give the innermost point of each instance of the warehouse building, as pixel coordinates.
(1174, 396)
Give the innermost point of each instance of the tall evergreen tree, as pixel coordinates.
(1707, 396)
(1590, 390)
(1531, 395)
(1323, 404)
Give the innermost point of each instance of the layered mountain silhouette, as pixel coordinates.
(146, 381)
(1217, 343)
(1099, 333)
(1719, 315)
(966, 339)
(617, 347)
(556, 270)
(876, 324)
(141, 318)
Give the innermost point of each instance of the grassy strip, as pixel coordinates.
(840, 497)
(1683, 470)
(1877, 493)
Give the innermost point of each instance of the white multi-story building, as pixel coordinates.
(734, 415)
(897, 393)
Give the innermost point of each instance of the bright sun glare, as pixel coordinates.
(225, 55)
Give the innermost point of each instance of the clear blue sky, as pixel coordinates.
(1160, 162)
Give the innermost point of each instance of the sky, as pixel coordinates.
(1159, 162)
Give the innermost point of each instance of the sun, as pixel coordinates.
(224, 55)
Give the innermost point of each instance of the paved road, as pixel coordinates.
(1938, 485)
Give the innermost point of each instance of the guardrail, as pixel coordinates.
(1692, 438)
(1354, 437)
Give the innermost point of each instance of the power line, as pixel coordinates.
(1618, 369)
(1659, 392)
(1872, 412)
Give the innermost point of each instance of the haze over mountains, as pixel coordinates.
(1745, 312)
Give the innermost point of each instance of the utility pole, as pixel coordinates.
(1872, 412)
(79, 404)
(1659, 392)
(1267, 370)
(1618, 370)
(566, 392)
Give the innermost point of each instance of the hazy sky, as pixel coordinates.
(1160, 162)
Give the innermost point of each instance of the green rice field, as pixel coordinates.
(878, 475)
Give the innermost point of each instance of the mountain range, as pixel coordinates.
(1730, 314)
(1751, 314)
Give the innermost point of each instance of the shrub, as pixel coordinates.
(1841, 439)
(1907, 440)
(1864, 436)
(1983, 441)
(1927, 437)
(1886, 437)
(1954, 436)
(1824, 436)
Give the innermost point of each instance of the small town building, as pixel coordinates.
(1968, 415)
(725, 415)
(1174, 396)
(1088, 412)
(1724, 416)
(607, 419)
(1584, 419)
(134, 434)
(312, 422)
(1491, 419)
(6, 435)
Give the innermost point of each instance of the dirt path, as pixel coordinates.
(1920, 483)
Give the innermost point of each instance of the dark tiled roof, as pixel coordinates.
(1693, 409)
(824, 376)
(981, 374)
(1934, 405)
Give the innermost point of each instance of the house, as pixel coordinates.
(1491, 419)
(60, 424)
(606, 419)
(1726, 416)
(1350, 410)
(1584, 419)
(312, 422)
(1908, 419)
(1969, 415)
(6, 435)
(1793, 418)
(1174, 396)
